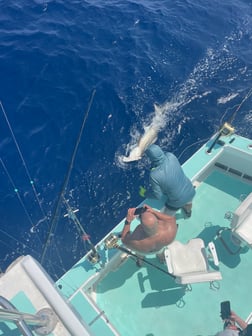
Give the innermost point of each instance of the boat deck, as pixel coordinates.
(146, 294)
(117, 297)
(145, 301)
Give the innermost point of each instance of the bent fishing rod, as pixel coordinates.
(227, 127)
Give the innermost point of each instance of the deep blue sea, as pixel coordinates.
(192, 58)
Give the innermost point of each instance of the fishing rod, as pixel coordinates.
(239, 106)
(227, 127)
(112, 242)
(56, 213)
(225, 130)
(93, 256)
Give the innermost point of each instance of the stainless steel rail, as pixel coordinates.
(43, 322)
(20, 323)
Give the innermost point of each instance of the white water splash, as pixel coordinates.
(224, 100)
(208, 68)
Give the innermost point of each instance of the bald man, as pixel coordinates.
(155, 231)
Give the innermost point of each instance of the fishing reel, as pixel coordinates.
(227, 129)
(111, 241)
(93, 257)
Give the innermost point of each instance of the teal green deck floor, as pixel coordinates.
(150, 303)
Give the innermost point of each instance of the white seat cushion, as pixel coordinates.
(186, 258)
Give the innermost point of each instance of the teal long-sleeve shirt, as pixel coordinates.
(168, 179)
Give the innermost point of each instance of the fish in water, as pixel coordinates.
(148, 138)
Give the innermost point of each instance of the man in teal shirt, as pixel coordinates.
(168, 180)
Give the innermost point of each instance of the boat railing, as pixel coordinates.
(43, 322)
(41, 293)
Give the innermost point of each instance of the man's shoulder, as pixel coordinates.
(171, 157)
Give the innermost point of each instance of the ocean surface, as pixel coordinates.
(191, 58)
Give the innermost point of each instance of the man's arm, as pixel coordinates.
(129, 219)
(156, 191)
(158, 214)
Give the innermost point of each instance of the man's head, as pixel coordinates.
(149, 223)
(155, 154)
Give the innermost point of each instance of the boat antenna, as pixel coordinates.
(57, 209)
(227, 128)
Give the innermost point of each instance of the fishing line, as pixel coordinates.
(20, 200)
(239, 106)
(17, 192)
(237, 109)
(23, 161)
(24, 245)
(227, 128)
(17, 241)
(56, 213)
(51, 265)
(193, 144)
(230, 121)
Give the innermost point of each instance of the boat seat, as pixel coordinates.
(241, 224)
(189, 262)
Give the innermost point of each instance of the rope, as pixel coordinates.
(56, 214)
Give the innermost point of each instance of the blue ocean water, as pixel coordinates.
(192, 58)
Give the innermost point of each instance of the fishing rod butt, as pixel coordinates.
(226, 130)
